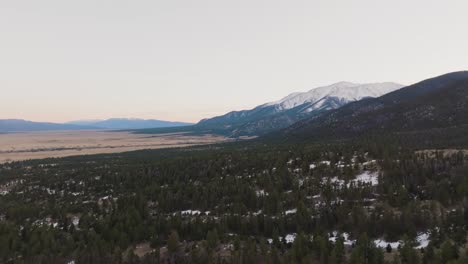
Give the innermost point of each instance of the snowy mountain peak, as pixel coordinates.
(342, 91)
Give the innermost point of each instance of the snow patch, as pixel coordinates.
(347, 242)
(190, 212)
(380, 243)
(368, 177)
(423, 240)
(292, 211)
(290, 238)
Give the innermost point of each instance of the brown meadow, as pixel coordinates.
(38, 145)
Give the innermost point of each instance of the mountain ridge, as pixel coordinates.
(131, 123)
(294, 107)
(437, 103)
(21, 125)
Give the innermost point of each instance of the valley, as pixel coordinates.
(54, 144)
(376, 180)
(233, 132)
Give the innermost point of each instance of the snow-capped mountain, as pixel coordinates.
(343, 91)
(433, 108)
(294, 107)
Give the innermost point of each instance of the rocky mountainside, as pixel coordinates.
(436, 105)
(294, 107)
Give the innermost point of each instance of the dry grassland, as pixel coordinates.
(37, 145)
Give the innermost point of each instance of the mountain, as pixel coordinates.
(84, 122)
(436, 108)
(294, 107)
(19, 125)
(129, 123)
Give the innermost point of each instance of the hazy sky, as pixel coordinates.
(185, 60)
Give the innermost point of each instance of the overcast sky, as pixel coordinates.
(186, 60)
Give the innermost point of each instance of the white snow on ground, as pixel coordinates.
(290, 238)
(312, 166)
(423, 240)
(190, 212)
(257, 213)
(75, 221)
(371, 162)
(301, 182)
(380, 243)
(367, 177)
(333, 180)
(347, 242)
(292, 211)
(260, 193)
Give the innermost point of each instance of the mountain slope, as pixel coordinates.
(129, 123)
(440, 103)
(19, 125)
(280, 114)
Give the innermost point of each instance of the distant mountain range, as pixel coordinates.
(294, 107)
(432, 110)
(260, 120)
(128, 123)
(18, 125)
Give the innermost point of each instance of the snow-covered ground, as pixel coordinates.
(289, 238)
(423, 240)
(292, 211)
(381, 243)
(191, 212)
(334, 180)
(347, 242)
(368, 177)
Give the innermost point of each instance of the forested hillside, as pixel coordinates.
(238, 203)
(377, 181)
(434, 111)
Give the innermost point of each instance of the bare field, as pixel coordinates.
(38, 145)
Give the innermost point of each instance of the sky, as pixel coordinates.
(184, 60)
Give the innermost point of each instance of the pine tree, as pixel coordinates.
(448, 251)
(212, 239)
(173, 242)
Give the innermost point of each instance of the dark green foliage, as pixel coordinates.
(246, 195)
